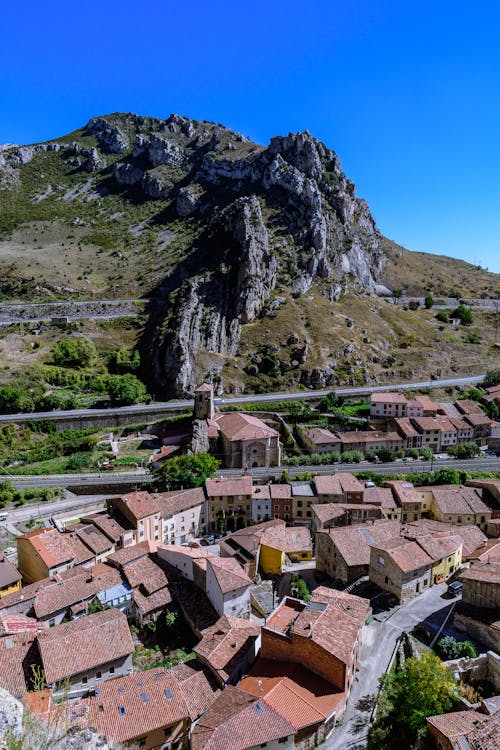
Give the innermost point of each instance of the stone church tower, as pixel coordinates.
(204, 402)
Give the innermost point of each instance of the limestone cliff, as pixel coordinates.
(235, 228)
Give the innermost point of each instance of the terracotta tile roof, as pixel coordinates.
(13, 623)
(485, 736)
(472, 536)
(261, 492)
(438, 547)
(301, 697)
(337, 484)
(406, 555)
(426, 402)
(388, 398)
(227, 643)
(237, 721)
(404, 492)
(476, 420)
(238, 426)
(404, 427)
(355, 605)
(458, 499)
(325, 512)
(490, 550)
(204, 388)
(379, 496)
(280, 491)
(449, 409)
(446, 424)
(126, 555)
(60, 595)
(229, 574)
(140, 504)
(456, 724)
(55, 548)
(8, 573)
(320, 436)
(426, 424)
(288, 539)
(80, 645)
(487, 572)
(369, 436)
(467, 406)
(459, 424)
(131, 706)
(18, 653)
(112, 526)
(146, 604)
(229, 486)
(171, 503)
(147, 572)
(92, 538)
(353, 542)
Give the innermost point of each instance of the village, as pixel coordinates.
(237, 614)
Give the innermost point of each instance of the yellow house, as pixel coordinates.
(271, 559)
(446, 554)
(10, 577)
(280, 544)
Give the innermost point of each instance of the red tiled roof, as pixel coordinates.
(237, 721)
(171, 503)
(238, 426)
(140, 504)
(388, 398)
(301, 697)
(59, 595)
(406, 555)
(111, 526)
(456, 724)
(80, 645)
(18, 653)
(487, 572)
(353, 542)
(229, 486)
(225, 642)
(8, 573)
(55, 548)
(13, 623)
(204, 388)
(228, 573)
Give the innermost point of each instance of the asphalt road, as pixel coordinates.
(376, 650)
(179, 405)
(485, 464)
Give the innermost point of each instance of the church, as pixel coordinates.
(242, 441)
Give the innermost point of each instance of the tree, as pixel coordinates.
(465, 315)
(386, 455)
(122, 361)
(75, 352)
(125, 390)
(10, 399)
(429, 302)
(447, 475)
(186, 471)
(491, 378)
(427, 454)
(422, 687)
(443, 316)
(450, 648)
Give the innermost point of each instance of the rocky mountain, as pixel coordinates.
(223, 231)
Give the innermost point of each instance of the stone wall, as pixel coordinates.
(472, 671)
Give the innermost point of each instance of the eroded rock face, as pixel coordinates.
(109, 136)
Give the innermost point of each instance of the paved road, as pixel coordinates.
(46, 510)
(486, 464)
(180, 405)
(376, 652)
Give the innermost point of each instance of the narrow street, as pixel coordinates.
(380, 638)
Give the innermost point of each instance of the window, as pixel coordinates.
(381, 560)
(84, 680)
(52, 622)
(98, 675)
(299, 503)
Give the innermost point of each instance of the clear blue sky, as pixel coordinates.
(406, 92)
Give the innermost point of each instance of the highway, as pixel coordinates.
(483, 464)
(180, 405)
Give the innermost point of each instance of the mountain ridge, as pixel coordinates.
(228, 232)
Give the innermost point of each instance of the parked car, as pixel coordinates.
(455, 588)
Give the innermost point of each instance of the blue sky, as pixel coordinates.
(406, 92)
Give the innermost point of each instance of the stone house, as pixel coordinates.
(342, 487)
(303, 497)
(344, 553)
(44, 552)
(430, 430)
(228, 587)
(408, 498)
(281, 501)
(401, 567)
(319, 440)
(261, 503)
(368, 441)
(229, 648)
(228, 503)
(81, 655)
(482, 585)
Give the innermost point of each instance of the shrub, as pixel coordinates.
(428, 302)
(75, 352)
(125, 390)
